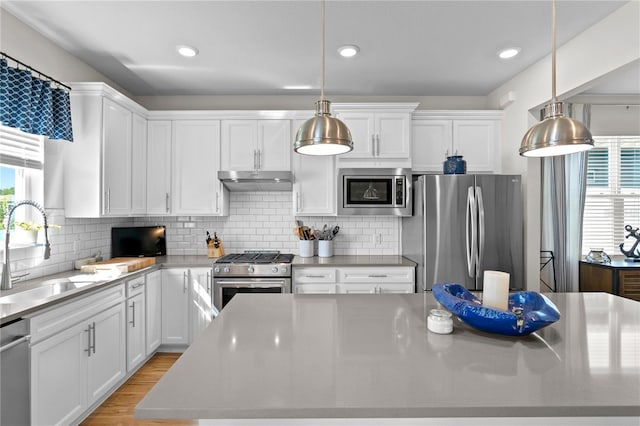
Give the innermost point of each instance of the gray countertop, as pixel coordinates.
(12, 311)
(371, 356)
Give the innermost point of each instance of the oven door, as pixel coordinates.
(225, 288)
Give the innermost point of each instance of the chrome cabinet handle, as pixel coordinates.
(93, 327)
(88, 350)
(184, 282)
(297, 201)
(166, 201)
(315, 276)
(255, 162)
(209, 282)
(133, 314)
(217, 195)
(377, 145)
(377, 276)
(373, 145)
(259, 159)
(108, 195)
(138, 285)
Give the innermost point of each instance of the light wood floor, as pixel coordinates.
(118, 409)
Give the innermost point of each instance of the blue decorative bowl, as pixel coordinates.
(528, 311)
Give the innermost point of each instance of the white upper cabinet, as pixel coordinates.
(158, 162)
(196, 162)
(249, 145)
(314, 183)
(473, 134)
(109, 132)
(379, 131)
(138, 165)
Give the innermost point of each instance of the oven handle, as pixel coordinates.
(253, 284)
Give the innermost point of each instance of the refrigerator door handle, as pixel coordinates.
(471, 223)
(481, 233)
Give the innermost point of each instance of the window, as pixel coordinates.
(613, 193)
(21, 175)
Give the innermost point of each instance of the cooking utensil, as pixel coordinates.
(334, 232)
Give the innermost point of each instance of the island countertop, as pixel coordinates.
(371, 356)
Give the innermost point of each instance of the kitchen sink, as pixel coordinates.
(48, 289)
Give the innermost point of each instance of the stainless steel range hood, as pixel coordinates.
(256, 181)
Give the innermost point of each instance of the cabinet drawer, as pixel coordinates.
(392, 274)
(314, 275)
(64, 316)
(135, 286)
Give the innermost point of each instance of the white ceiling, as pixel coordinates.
(408, 48)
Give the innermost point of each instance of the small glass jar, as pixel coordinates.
(597, 255)
(440, 321)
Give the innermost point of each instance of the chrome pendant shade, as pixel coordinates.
(555, 134)
(323, 134)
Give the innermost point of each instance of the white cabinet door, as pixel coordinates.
(314, 289)
(139, 165)
(159, 168)
(376, 275)
(59, 376)
(256, 145)
(392, 135)
(239, 150)
(274, 145)
(362, 128)
(153, 311)
(107, 363)
(431, 140)
(117, 122)
(196, 162)
(314, 184)
(175, 306)
(404, 288)
(200, 300)
(378, 135)
(136, 319)
(476, 141)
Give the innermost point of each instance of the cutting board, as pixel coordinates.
(126, 264)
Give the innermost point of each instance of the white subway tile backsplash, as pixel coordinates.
(261, 220)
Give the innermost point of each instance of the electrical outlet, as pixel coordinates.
(378, 238)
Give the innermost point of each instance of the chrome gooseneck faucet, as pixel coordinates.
(6, 268)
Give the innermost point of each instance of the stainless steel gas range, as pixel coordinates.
(250, 272)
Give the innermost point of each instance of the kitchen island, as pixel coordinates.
(369, 359)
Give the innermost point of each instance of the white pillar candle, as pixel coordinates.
(495, 291)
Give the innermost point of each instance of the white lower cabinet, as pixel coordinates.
(153, 311)
(200, 300)
(77, 356)
(187, 304)
(175, 306)
(136, 319)
(354, 280)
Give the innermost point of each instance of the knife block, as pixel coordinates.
(213, 252)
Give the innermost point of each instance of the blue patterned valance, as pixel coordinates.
(32, 105)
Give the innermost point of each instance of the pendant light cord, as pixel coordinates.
(322, 44)
(553, 51)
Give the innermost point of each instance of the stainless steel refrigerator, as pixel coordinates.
(463, 225)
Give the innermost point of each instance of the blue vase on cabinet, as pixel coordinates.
(454, 165)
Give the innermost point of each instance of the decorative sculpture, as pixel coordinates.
(634, 253)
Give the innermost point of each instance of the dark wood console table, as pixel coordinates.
(618, 277)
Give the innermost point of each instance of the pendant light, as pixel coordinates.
(555, 134)
(323, 134)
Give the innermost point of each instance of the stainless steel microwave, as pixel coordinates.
(383, 192)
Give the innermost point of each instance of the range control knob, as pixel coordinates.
(226, 269)
(274, 269)
(283, 269)
(250, 269)
(216, 269)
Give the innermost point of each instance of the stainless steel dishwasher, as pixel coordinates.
(14, 373)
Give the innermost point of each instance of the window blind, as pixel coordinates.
(20, 149)
(613, 193)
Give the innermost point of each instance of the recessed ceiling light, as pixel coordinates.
(302, 87)
(509, 52)
(187, 51)
(348, 51)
